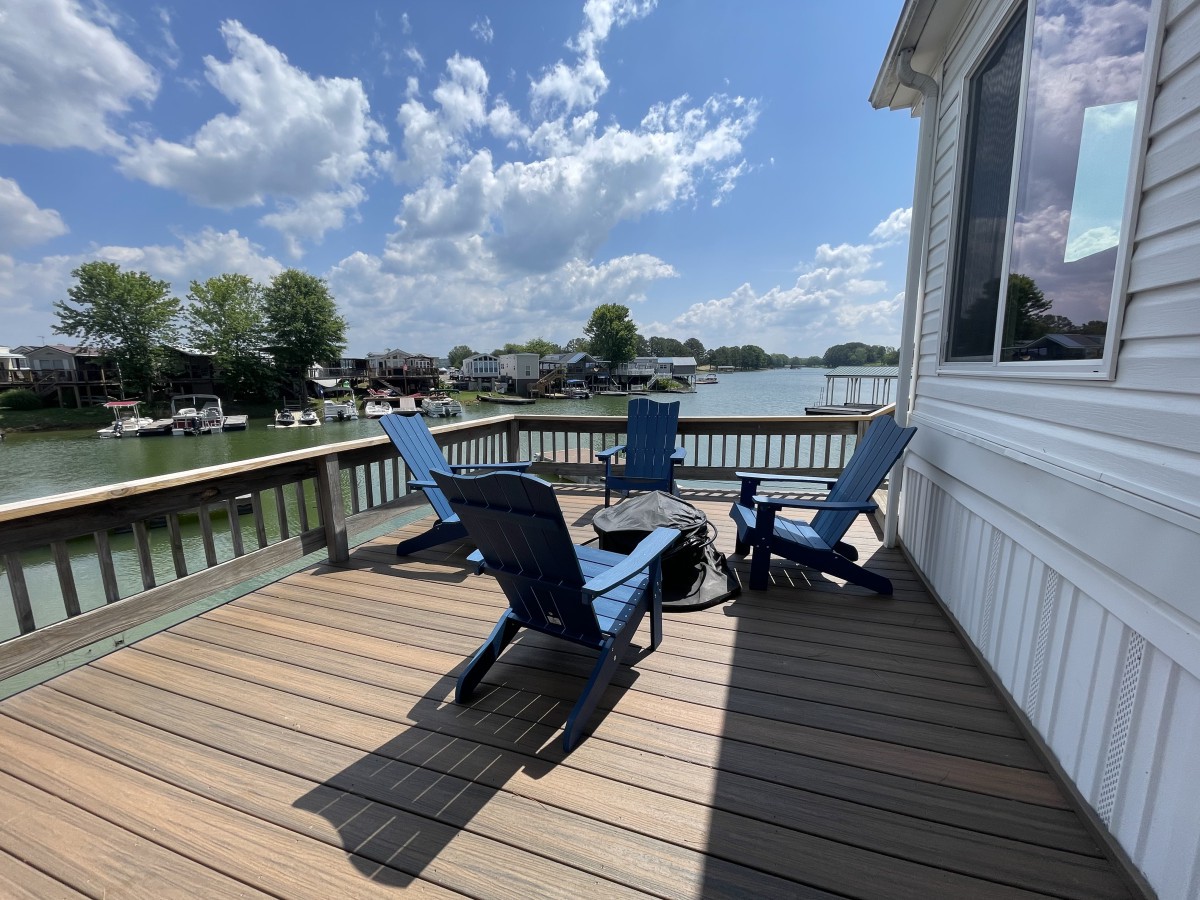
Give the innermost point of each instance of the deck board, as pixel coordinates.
(813, 740)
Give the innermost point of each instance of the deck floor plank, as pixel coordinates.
(813, 740)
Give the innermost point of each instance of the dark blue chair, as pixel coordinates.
(650, 452)
(818, 543)
(584, 595)
(423, 457)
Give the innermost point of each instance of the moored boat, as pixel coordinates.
(377, 409)
(308, 417)
(193, 414)
(439, 404)
(127, 419)
(284, 418)
(340, 404)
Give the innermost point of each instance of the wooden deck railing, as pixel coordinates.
(85, 566)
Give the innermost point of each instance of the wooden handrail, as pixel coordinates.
(226, 524)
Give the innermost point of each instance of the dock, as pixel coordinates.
(506, 398)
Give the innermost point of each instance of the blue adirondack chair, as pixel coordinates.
(650, 452)
(583, 595)
(423, 457)
(818, 544)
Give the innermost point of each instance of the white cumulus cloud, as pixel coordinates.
(301, 141)
(22, 222)
(64, 76)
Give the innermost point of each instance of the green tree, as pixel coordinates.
(458, 354)
(303, 323)
(578, 345)
(541, 347)
(129, 318)
(225, 317)
(695, 349)
(611, 334)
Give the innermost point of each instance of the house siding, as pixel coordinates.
(1058, 520)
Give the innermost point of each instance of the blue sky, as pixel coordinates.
(466, 172)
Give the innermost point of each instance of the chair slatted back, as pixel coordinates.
(422, 455)
(651, 435)
(517, 525)
(873, 458)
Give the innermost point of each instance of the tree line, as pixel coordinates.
(611, 335)
(260, 337)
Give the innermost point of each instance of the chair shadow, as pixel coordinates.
(421, 800)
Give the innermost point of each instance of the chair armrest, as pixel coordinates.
(500, 467)
(647, 551)
(476, 558)
(419, 483)
(833, 505)
(610, 451)
(679, 455)
(762, 476)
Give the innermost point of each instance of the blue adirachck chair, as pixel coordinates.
(583, 595)
(650, 452)
(818, 543)
(423, 457)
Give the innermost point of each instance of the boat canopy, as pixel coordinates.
(121, 404)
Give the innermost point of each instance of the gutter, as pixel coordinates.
(914, 282)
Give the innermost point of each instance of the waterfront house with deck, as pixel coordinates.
(1050, 359)
(480, 371)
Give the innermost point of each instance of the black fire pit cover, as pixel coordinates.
(695, 575)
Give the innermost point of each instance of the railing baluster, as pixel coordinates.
(175, 537)
(141, 539)
(206, 535)
(20, 592)
(235, 526)
(256, 504)
(66, 578)
(280, 513)
(301, 505)
(108, 572)
(355, 500)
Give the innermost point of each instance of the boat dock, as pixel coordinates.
(506, 398)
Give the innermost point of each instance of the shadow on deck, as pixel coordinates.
(812, 740)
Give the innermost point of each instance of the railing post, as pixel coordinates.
(333, 508)
(514, 441)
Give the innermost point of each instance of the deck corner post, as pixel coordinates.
(333, 508)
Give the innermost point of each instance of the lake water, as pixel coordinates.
(38, 464)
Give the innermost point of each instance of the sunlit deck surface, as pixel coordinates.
(812, 740)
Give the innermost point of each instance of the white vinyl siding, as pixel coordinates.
(1060, 521)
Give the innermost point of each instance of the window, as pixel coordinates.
(1047, 147)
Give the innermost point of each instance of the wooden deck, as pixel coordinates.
(809, 741)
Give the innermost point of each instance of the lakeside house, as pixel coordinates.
(1051, 499)
(480, 371)
(519, 372)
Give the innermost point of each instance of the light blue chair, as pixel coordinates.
(649, 449)
(583, 595)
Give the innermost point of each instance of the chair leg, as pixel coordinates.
(760, 566)
(441, 533)
(856, 574)
(478, 665)
(602, 673)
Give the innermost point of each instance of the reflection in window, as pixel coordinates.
(1072, 170)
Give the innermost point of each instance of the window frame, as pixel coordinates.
(1104, 368)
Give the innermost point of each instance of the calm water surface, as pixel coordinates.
(40, 464)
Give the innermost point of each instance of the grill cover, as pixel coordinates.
(695, 575)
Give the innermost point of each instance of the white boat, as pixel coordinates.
(196, 414)
(127, 419)
(576, 389)
(308, 417)
(341, 405)
(284, 418)
(438, 405)
(706, 378)
(377, 409)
